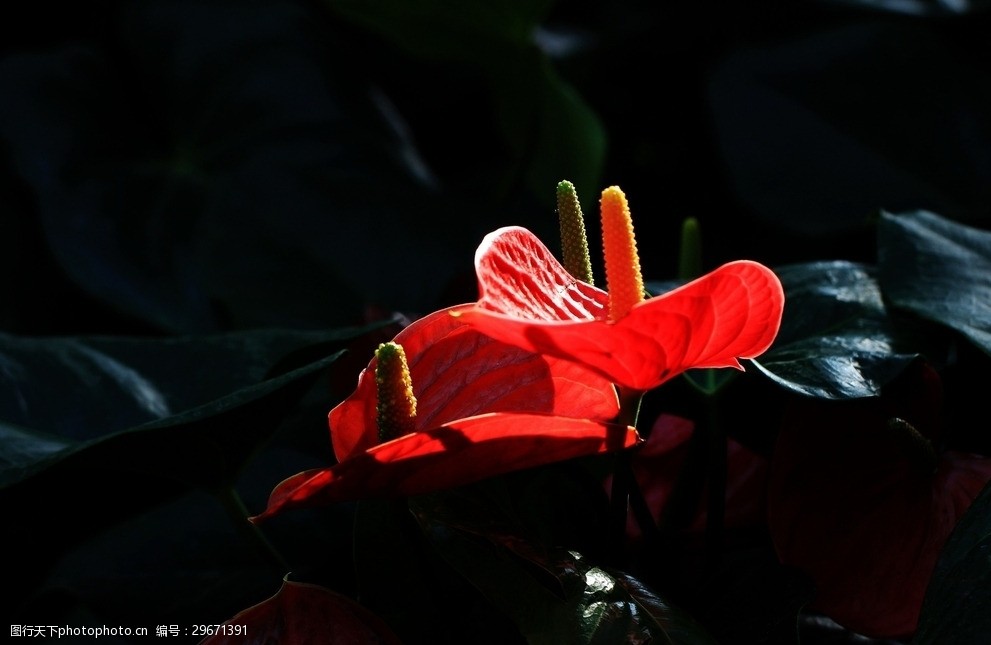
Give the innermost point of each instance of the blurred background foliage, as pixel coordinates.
(206, 166)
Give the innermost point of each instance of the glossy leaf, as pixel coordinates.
(837, 338)
(938, 269)
(300, 614)
(527, 299)
(955, 609)
(570, 601)
(105, 384)
(135, 392)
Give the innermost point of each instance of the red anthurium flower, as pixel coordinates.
(860, 499)
(529, 300)
(482, 408)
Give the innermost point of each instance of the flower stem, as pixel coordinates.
(716, 478)
(622, 479)
(239, 514)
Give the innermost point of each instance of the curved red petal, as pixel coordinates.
(457, 372)
(518, 276)
(453, 454)
(731, 313)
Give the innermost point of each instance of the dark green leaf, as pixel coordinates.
(98, 482)
(955, 609)
(68, 396)
(678, 627)
(158, 561)
(105, 384)
(21, 449)
(402, 579)
(797, 93)
(837, 339)
(938, 269)
(206, 445)
(554, 595)
(550, 129)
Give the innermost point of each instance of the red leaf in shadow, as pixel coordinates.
(657, 465)
(300, 614)
(865, 505)
(527, 299)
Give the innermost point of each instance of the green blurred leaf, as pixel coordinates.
(938, 269)
(677, 626)
(837, 338)
(955, 609)
(552, 594)
(550, 130)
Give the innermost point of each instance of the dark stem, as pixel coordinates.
(239, 514)
(622, 480)
(716, 471)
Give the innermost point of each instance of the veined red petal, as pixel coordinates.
(731, 313)
(464, 451)
(460, 372)
(520, 277)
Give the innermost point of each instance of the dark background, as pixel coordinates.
(179, 169)
(203, 166)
